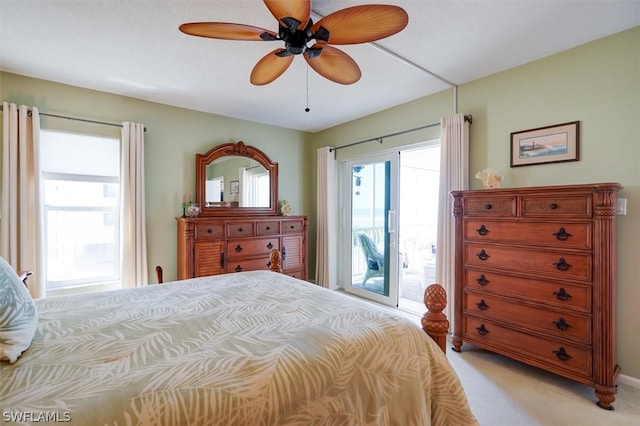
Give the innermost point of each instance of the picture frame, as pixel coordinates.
(234, 187)
(550, 144)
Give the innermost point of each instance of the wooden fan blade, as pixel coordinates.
(270, 67)
(363, 24)
(334, 64)
(225, 31)
(300, 10)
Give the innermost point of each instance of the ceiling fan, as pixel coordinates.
(352, 25)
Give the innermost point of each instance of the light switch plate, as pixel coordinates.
(621, 208)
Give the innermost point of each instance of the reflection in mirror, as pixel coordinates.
(237, 181)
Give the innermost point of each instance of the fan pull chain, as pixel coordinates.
(307, 109)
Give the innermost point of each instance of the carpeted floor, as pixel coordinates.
(505, 392)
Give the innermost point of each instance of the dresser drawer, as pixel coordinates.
(268, 228)
(209, 230)
(558, 205)
(241, 265)
(531, 261)
(565, 296)
(252, 247)
(511, 313)
(240, 229)
(289, 226)
(490, 206)
(564, 358)
(553, 234)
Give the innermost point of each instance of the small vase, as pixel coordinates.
(193, 210)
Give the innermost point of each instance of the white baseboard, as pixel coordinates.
(629, 381)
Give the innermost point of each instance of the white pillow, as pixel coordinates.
(18, 315)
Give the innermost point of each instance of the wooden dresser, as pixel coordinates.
(218, 245)
(535, 275)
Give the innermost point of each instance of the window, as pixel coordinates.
(80, 181)
(255, 187)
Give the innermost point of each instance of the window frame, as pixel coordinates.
(112, 213)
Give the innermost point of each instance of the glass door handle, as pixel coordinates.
(391, 226)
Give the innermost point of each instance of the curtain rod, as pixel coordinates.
(74, 119)
(467, 118)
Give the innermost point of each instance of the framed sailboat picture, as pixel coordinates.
(551, 144)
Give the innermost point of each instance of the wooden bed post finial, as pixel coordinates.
(434, 321)
(275, 260)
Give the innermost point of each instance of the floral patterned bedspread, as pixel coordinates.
(252, 348)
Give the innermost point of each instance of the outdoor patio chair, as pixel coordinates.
(373, 258)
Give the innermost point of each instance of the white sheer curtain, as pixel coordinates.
(21, 224)
(326, 220)
(133, 224)
(454, 175)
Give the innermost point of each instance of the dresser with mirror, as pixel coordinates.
(238, 224)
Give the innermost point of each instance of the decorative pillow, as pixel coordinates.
(18, 315)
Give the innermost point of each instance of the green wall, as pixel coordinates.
(597, 84)
(174, 136)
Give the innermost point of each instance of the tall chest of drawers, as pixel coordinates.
(219, 245)
(535, 274)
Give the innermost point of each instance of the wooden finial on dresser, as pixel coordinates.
(434, 321)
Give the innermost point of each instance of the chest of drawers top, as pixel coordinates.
(568, 201)
(222, 228)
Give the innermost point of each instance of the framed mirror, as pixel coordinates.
(236, 179)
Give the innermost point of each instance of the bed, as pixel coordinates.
(251, 348)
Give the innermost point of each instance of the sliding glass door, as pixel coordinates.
(370, 228)
(390, 223)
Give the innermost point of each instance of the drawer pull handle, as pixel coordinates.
(210, 231)
(293, 227)
(482, 305)
(562, 355)
(238, 248)
(488, 206)
(269, 246)
(482, 280)
(562, 234)
(268, 228)
(562, 294)
(238, 268)
(284, 253)
(553, 206)
(561, 264)
(482, 255)
(482, 330)
(239, 229)
(561, 324)
(482, 230)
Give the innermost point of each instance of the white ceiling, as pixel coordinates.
(134, 48)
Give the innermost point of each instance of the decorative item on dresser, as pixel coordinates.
(535, 275)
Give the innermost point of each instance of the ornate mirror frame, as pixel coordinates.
(238, 149)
